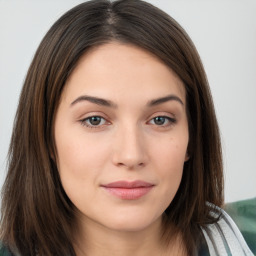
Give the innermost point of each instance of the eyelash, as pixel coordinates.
(171, 121)
(84, 122)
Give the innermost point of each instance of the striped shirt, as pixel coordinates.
(223, 238)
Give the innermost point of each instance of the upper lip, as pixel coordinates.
(128, 184)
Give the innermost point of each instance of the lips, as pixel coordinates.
(128, 190)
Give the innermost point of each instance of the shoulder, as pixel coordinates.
(223, 237)
(4, 251)
(244, 215)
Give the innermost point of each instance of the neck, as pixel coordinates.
(97, 240)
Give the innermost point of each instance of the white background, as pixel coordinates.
(224, 32)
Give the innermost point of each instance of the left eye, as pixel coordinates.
(93, 121)
(162, 120)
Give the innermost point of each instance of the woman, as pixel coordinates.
(116, 148)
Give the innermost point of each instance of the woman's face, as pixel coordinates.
(121, 134)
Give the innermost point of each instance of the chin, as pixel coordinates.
(130, 223)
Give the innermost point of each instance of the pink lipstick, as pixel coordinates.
(128, 190)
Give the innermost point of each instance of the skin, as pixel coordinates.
(126, 142)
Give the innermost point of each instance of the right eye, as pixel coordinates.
(94, 121)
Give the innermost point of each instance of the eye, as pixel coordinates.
(162, 121)
(94, 121)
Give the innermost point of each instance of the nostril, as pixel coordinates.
(130, 164)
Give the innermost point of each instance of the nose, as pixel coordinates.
(129, 148)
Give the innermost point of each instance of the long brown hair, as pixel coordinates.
(36, 214)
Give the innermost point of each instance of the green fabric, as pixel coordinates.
(244, 215)
(4, 251)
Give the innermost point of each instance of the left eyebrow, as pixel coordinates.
(161, 100)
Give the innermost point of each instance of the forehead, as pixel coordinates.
(114, 68)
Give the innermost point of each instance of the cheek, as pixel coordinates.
(77, 153)
(70, 156)
(169, 162)
(77, 166)
(81, 160)
(171, 153)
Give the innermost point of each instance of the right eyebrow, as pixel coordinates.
(95, 100)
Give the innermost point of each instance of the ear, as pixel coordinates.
(187, 157)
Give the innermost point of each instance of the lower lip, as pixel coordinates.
(129, 193)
